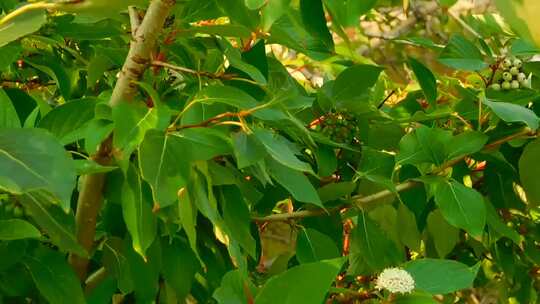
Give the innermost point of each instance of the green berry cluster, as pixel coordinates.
(510, 75)
(341, 127)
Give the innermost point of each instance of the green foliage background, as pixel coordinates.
(270, 152)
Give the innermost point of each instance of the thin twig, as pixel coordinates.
(360, 202)
(386, 99)
(193, 72)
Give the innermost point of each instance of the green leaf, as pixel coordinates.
(247, 149)
(57, 225)
(433, 141)
(237, 11)
(137, 212)
(351, 89)
(347, 12)
(101, 30)
(33, 159)
(68, 121)
(371, 246)
(415, 298)
(237, 218)
(496, 225)
(235, 59)
(410, 151)
(290, 31)
(426, 79)
(54, 277)
(465, 144)
(132, 121)
(313, 291)
(115, 262)
(10, 53)
(278, 148)
(202, 143)
(461, 54)
(272, 11)
(158, 159)
(441, 276)
(52, 66)
(104, 291)
(235, 288)
(187, 212)
(21, 25)
(444, 236)
(227, 95)
(8, 114)
(407, 229)
(529, 171)
(509, 112)
(295, 182)
(334, 191)
(254, 4)
(179, 267)
(461, 206)
(16, 229)
(314, 20)
(313, 246)
(96, 10)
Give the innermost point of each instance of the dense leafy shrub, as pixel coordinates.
(269, 151)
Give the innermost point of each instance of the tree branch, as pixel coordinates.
(190, 71)
(362, 201)
(91, 189)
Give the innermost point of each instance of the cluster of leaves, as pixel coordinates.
(227, 184)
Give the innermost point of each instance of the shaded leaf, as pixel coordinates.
(461, 206)
(59, 226)
(312, 291)
(529, 171)
(33, 159)
(137, 212)
(8, 114)
(314, 246)
(21, 25)
(510, 112)
(15, 229)
(426, 79)
(461, 54)
(441, 276)
(54, 277)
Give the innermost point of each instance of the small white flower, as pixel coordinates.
(395, 280)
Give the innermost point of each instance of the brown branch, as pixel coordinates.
(91, 190)
(190, 71)
(362, 201)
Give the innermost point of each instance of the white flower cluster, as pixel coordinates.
(395, 280)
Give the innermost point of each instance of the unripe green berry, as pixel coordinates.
(521, 77)
(507, 76)
(514, 71)
(496, 87)
(525, 83)
(507, 63)
(514, 84)
(517, 63)
(506, 85)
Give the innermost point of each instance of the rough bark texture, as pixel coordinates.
(91, 189)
